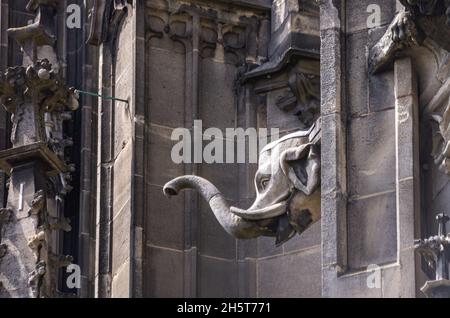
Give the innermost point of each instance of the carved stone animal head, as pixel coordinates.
(286, 185)
(287, 191)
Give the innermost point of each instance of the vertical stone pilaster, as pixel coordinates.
(334, 193)
(138, 171)
(408, 173)
(104, 178)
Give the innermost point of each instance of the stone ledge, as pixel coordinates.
(261, 4)
(12, 157)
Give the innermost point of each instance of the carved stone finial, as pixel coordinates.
(40, 33)
(28, 93)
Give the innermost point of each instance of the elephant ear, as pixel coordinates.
(302, 166)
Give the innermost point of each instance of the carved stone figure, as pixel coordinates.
(36, 275)
(287, 191)
(38, 203)
(423, 20)
(419, 20)
(36, 241)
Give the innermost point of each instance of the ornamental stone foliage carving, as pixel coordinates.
(30, 92)
(189, 23)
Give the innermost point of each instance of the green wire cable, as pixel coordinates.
(101, 96)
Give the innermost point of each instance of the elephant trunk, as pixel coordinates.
(233, 224)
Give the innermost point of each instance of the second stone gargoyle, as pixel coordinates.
(287, 191)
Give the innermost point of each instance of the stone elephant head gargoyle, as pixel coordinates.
(287, 191)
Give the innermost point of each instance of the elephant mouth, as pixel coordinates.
(269, 212)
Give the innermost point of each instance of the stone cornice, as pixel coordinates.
(259, 4)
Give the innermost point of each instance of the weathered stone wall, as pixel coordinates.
(113, 256)
(190, 75)
(185, 59)
(370, 179)
(122, 161)
(188, 253)
(164, 224)
(371, 143)
(292, 269)
(234, 63)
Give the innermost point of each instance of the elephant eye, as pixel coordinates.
(264, 183)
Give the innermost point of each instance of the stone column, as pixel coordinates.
(36, 96)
